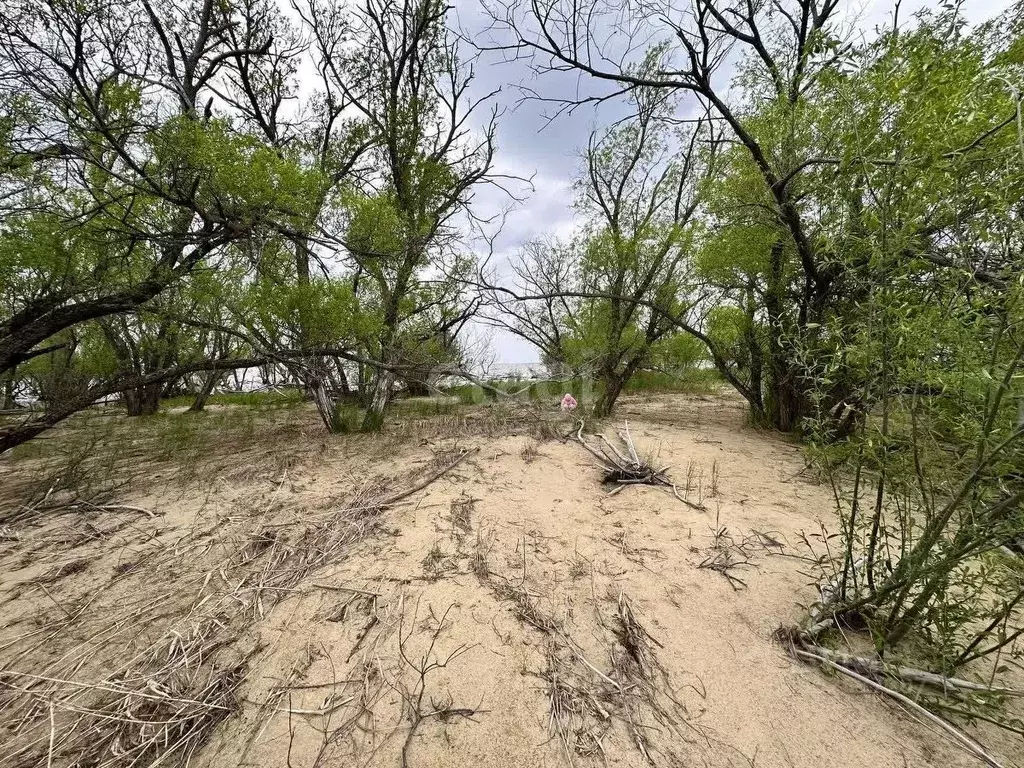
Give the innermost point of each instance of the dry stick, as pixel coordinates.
(908, 674)
(54, 600)
(605, 464)
(583, 658)
(423, 484)
(698, 507)
(127, 508)
(615, 450)
(53, 733)
(972, 746)
(608, 464)
(339, 588)
(629, 444)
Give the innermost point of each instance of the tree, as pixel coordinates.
(638, 197)
(791, 59)
(114, 147)
(262, 84)
(545, 268)
(120, 170)
(406, 80)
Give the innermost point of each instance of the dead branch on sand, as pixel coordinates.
(726, 554)
(586, 703)
(623, 467)
(422, 667)
(873, 672)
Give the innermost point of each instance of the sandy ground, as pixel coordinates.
(510, 613)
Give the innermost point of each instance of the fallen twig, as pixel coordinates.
(427, 481)
(905, 674)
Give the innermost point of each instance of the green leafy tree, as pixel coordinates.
(121, 170)
(405, 79)
(638, 198)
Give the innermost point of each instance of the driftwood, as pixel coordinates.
(876, 668)
(622, 465)
(958, 736)
(873, 672)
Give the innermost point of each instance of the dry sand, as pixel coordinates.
(509, 614)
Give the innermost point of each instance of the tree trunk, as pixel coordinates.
(784, 408)
(343, 385)
(206, 390)
(613, 382)
(381, 396)
(324, 405)
(755, 398)
(785, 399)
(143, 401)
(8, 400)
(313, 379)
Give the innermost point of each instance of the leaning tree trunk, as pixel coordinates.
(206, 390)
(325, 406)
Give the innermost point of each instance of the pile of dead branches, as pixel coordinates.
(622, 466)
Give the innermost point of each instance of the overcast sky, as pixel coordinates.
(528, 145)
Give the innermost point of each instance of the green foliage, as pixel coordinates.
(918, 363)
(698, 381)
(240, 174)
(347, 419)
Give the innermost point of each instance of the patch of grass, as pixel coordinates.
(187, 440)
(348, 418)
(425, 407)
(700, 381)
(479, 561)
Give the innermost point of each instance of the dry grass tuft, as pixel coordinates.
(576, 716)
(578, 568)
(523, 605)
(727, 554)
(436, 563)
(479, 560)
(529, 454)
(640, 661)
(462, 514)
(586, 704)
(160, 705)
